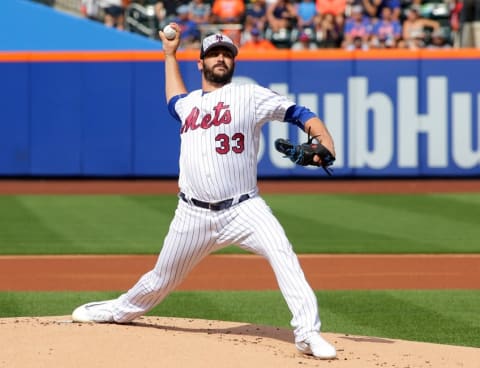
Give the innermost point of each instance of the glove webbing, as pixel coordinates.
(292, 153)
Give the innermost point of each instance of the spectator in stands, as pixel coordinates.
(190, 34)
(387, 31)
(439, 40)
(282, 15)
(351, 3)
(200, 11)
(374, 8)
(395, 6)
(357, 43)
(384, 43)
(340, 24)
(158, 8)
(304, 42)
(114, 13)
(172, 5)
(416, 41)
(306, 11)
(160, 14)
(334, 7)
(414, 28)
(257, 42)
(409, 3)
(90, 9)
(230, 14)
(455, 10)
(470, 23)
(328, 34)
(228, 11)
(357, 26)
(256, 15)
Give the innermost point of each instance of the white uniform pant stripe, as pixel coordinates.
(253, 227)
(196, 232)
(187, 243)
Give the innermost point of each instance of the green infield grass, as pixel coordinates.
(447, 317)
(330, 223)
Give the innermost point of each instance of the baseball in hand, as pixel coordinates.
(169, 32)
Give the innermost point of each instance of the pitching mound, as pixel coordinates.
(176, 342)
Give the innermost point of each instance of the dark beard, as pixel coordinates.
(218, 78)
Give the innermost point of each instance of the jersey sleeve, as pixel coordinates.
(171, 106)
(270, 105)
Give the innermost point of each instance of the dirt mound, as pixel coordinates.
(177, 342)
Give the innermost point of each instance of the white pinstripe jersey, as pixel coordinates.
(220, 136)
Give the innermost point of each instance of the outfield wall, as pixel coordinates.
(103, 113)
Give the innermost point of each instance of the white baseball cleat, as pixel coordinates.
(317, 346)
(95, 312)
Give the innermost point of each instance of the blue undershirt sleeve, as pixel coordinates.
(298, 115)
(171, 106)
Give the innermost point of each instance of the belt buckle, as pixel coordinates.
(217, 206)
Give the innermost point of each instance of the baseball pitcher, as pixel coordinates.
(219, 203)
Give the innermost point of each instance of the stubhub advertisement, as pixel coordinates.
(104, 114)
(387, 117)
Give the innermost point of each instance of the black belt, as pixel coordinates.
(217, 206)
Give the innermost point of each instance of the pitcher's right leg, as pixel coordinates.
(188, 241)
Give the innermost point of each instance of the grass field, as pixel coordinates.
(436, 223)
(448, 317)
(136, 224)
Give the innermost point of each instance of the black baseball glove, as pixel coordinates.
(303, 154)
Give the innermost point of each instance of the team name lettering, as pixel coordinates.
(221, 115)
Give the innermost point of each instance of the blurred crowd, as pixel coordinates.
(301, 24)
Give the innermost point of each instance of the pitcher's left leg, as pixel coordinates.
(298, 294)
(259, 231)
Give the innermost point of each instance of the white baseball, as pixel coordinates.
(169, 32)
